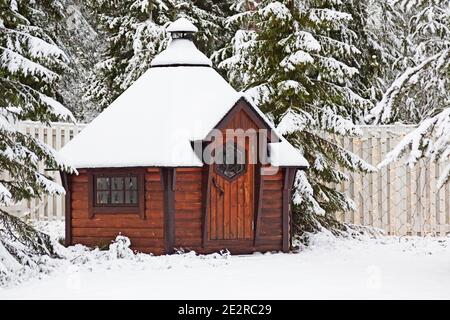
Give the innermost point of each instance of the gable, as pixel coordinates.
(243, 116)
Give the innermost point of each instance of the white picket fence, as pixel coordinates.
(56, 136)
(398, 199)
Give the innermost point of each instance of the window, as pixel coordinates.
(116, 191)
(230, 161)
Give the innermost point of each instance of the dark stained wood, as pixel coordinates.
(189, 208)
(68, 208)
(141, 194)
(231, 214)
(292, 174)
(259, 187)
(116, 222)
(104, 242)
(119, 222)
(169, 177)
(271, 211)
(206, 199)
(289, 175)
(155, 233)
(90, 196)
(242, 106)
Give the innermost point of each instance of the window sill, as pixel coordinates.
(118, 209)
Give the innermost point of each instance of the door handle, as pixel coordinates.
(217, 186)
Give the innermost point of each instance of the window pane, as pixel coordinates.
(102, 183)
(117, 183)
(232, 161)
(116, 197)
(131, 197)
(131, 183)
(103, 197)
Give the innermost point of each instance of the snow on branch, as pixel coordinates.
(50, 187)
(18, 64)
(336, 68)
(295, 121)
(383, 110)
(431, 139)
(37, 47)
(338, 46)
(57, 109)
(275, 9)
(297, 58)
(304, 193)
(5, 195)
(334, 123)
(291, 85)
(329, 16)
(302, 40)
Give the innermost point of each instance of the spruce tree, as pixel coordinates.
(75, 33)
(30, 67)
(417, 82)
(209, 17)
(134, 31)
(415, 38)
(297, 59)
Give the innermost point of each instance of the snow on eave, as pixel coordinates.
(284, 154)
(241, 96)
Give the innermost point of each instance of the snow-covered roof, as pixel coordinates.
(284, 154)
(182, 25)
(181, 52)
(155, 120)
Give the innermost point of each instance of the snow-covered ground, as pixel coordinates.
(331, 268)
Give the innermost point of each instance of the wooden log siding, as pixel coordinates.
(168, 177)
(66, 182)
(271, 215)
(377, 204)
(189, 208)
(146, 235)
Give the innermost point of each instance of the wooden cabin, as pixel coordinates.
(142, 171)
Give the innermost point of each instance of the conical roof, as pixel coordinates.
(180, 99)
(181, 25)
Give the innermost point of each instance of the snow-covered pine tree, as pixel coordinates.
(365, 83)
(414, 36)
(430, 140)
(75, 33)
(30, 64)
(209, 17)
(417, 90)
(134, 31)
(296, 59)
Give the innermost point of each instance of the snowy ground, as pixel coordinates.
(382, 268)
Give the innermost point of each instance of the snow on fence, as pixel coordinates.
(48, 207)
(398, 199)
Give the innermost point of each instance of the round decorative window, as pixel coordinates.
(230, 161)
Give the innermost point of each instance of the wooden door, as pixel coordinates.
(231, 192)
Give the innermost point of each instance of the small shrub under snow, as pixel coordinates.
(120, 248)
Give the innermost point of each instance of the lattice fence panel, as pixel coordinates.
(397, 199)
